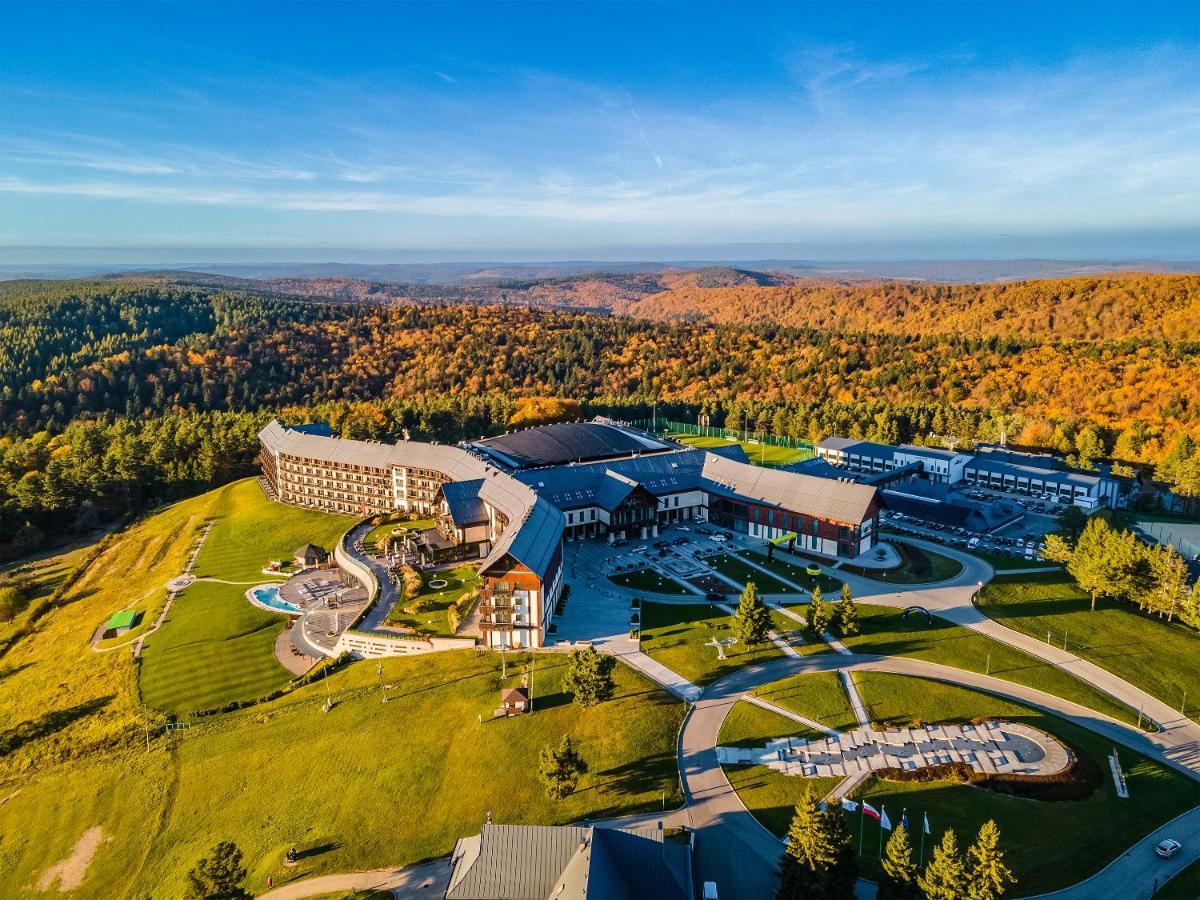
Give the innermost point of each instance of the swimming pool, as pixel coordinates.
(268, 595)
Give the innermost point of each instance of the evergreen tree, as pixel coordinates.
(560, 768)
(817, 615)
(847, 612)
(1090, 561)
(945, 878)
(819, 862)
(752, 621)
(898, 880)
(218, 876)
(988, 877)
(589, 677)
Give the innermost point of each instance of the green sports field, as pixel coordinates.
(759, 454)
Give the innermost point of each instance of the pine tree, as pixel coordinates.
(945, 878)
(560, 768)
(819, 862)
(752, 621)
(847, 612)
(218, 876)
(589, 677)
(1089, 563)
(899, 878)
(987, 876)
(817, 614)
(1170, 578)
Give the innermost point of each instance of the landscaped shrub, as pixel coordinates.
(410, 582)
(460, 610)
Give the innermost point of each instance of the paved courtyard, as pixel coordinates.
(991, 748)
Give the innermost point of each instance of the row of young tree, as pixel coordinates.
(752, 624)
(820, 862)
(1116, 564)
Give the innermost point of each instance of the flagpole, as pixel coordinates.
(883, 812)
(925, 822)
(862, 824)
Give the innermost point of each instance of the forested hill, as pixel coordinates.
(116, 394)
(1109, 307)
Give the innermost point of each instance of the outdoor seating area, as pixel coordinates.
(990, 748)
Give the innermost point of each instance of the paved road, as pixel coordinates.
(423, 882)
(728, 835)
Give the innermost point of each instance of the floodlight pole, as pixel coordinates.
(382, 685)
(328, 690)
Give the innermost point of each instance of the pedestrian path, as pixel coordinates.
(657, 672)
(424, 882)
(856, 703)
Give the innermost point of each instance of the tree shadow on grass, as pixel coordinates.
(50, 723)
(640, 776)
(9, 671)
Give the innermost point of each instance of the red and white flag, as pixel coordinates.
(871, 811)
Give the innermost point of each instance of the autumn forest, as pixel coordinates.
(123, 393)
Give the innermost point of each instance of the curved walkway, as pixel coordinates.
(427, 880)
(728, 835)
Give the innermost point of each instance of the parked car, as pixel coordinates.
(714, 597)
(1168, 848)
(973, 543)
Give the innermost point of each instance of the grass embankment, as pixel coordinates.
(433, 619)
(817, 695)
(748, 725)
(1100, 825)
(1003, 563)
(796, 572)
(732, 566)
(58, 698)
(1160, 657)
(215, 648)
(676, 634)
(885, 632)
(650, 581)
(363, 786)
(918, 565)
(760, 454)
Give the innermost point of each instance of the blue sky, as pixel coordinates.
(600, 130)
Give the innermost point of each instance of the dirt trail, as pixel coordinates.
(69, 872)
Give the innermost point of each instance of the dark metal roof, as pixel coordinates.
(549, 445)
(536, 540)
(539, 862)
(466, 506)
(606, 484)
(311, 550)
(320, 429)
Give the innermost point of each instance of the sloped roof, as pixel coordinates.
(466, 506)
(534, 541)
(123, 619)
(834, 501)
(311, 550)
(854, 445)
(548, 445)
(572, 862)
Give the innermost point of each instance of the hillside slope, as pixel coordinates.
(1165, 307)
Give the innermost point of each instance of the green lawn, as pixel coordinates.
(1161, 658)
(1184, 886)
(748, 725)
(886, 633)
(796, 572)
(732, 566)
(458, 580)
(1099, 826)
(818, 695)
(215, 648)
(760, 454)
(917, 566)
(675, 635)
(650, 581)
(366, 785)
(249, 531)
